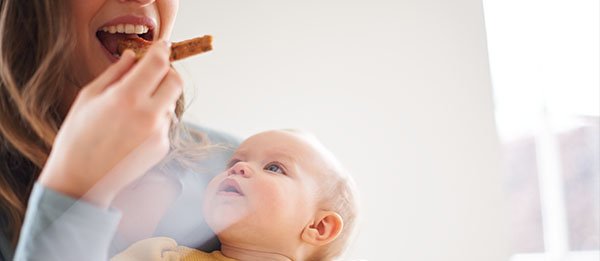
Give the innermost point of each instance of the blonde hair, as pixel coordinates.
(338, 194)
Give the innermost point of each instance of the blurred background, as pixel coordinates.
(452, 161)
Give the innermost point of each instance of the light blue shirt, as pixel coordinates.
(58, 227)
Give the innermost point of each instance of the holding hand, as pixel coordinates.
(151, 249)
(117, 128)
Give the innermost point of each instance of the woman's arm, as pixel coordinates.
(58, 227)
(115, 131)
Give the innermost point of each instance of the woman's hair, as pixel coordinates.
(36, 43)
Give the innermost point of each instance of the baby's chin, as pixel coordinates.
(224, 217)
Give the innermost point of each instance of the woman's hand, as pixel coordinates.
(116, 129)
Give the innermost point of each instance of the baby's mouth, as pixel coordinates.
(229, 187)
(109, 36)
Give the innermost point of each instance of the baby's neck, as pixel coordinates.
(244, 254)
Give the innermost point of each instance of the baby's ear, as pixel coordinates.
(326, 227)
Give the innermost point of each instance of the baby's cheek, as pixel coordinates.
(268, 193)
(210, 190)
(277, 200)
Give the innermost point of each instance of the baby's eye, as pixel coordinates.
(274, 167)
(232, 162)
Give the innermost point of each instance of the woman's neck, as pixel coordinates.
(244, 254)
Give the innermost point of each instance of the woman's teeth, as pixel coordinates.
(126, 29)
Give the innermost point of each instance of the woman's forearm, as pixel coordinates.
(58, 227)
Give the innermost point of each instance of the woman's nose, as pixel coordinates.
(240, 168)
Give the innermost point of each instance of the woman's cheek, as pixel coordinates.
(167, 10)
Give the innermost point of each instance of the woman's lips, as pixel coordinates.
(131, 19)
(108, 41)
(229, 187)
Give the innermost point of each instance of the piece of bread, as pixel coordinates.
(179, 50)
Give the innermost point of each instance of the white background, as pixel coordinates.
(398, 90)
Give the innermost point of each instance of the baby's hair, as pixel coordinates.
(338, 194)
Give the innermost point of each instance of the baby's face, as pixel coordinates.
(269, 191)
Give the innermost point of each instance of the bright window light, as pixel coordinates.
(545, 67)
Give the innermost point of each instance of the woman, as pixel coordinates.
(79, 125)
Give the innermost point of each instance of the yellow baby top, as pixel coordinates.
(166, 249)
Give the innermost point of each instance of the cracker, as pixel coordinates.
(179, 50)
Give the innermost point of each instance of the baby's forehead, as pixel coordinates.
(283, 142)
(293, 146)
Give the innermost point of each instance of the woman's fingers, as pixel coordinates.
(168, 92)
(123, 127)
(113, 73)
(149, 71)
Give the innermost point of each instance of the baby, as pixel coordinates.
(283, 197)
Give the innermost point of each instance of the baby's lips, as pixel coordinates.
(230, 185)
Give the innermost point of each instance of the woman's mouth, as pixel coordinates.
(127, 27)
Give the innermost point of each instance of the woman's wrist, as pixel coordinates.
(75, 187)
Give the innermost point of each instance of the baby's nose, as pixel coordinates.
(240, 168)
